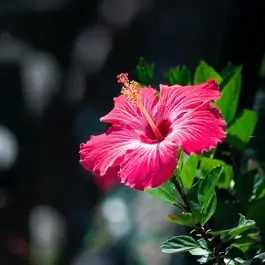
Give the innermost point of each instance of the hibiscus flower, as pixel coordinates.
(140, 149)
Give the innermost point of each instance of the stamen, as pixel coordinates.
(131, 91)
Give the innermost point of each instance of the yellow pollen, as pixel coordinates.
(131, 91)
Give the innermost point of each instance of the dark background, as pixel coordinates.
(58, 62)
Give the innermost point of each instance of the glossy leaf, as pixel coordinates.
(227, 73)
(243, 225)
(202, 250)
(209, 210)
(259, 259)
(235, 261)
(207, 186)
(192, 195)
(243, 243)
(199, 252)
(259, 191)
(207, 195)
(188, 171)
(180, 244)
(228, 102)
(204, 72)
(166, 192)
(241, 130)
(226, 176)
(204, 259)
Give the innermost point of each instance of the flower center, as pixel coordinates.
(131, 91)
(164, 128)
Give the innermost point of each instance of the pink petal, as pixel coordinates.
(199, 130)
(140, 165)
(176, 100)
(106, 151)
(128, 113)
(149, 165)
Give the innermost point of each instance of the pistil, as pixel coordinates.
(131, 90)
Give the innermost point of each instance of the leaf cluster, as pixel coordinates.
(212, 188)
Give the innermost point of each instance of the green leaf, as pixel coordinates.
(235, 261)
(144, 71)
(209, 210)
(207, 164)
(227, 74)
(243, 225)
(188, 171)
(180, 244)
(207, 186)
(179, 75)
(242, 246)
(207, 195)
(241, 130)
(202, 196)
(226, 176)
(192, 195)
(230, 96)
(204, 72)
(259, 189)
(243, 243)
(199, 252)
(185, 218)
(166, 192)
(234, 254)
(256, 185)
(204, 259)
(259, 259)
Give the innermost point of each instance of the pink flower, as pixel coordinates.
(140, 149)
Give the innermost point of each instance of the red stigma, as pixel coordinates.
(122, 78)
